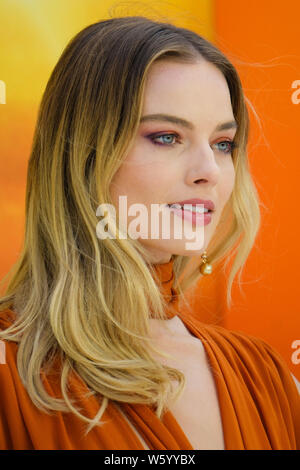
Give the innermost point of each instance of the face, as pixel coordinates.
(175, 161)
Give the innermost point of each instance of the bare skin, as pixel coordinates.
(197, 409)
(196, 164)
(170, 162)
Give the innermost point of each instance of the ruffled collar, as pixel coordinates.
(166, 277)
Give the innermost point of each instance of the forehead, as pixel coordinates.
(197, 91)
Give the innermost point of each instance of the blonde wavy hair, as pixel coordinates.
(85, 299)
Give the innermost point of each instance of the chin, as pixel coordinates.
(167, 248)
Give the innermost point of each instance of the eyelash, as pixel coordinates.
(152, 137)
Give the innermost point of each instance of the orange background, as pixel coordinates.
(262, 40)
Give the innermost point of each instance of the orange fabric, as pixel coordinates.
(165, 275)
(259, 401)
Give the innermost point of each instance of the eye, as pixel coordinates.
(226, 146)
(167, 139)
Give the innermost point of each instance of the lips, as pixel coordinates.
(207, 204)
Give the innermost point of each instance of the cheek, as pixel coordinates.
(139, 181)
(228, 180)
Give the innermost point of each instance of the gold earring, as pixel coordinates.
(205, 267)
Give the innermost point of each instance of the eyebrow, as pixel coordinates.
(183, 122)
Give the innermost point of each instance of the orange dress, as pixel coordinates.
(259, 401)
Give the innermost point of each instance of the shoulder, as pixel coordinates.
(255, 360)
(255, 372)
(7, 318)
(237, 343)
(249, 356)
(10, 414)
(9, 377)
(7, 348)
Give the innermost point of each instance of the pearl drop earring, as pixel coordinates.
(205, 267)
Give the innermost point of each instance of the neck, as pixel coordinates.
(169, 329)
(161, 258)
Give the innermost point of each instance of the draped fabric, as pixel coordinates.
(259, 401)
(166, 279)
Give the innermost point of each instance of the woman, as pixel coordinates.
(91, 319)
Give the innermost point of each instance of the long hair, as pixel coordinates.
(81, 298)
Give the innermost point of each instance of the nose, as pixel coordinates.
(202, 166)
